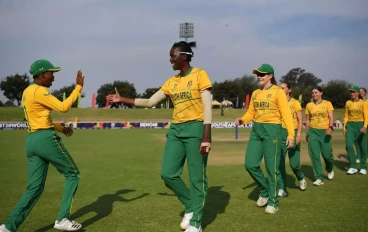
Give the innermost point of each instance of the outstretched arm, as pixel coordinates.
(142, 102)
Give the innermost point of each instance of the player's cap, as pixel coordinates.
(264, 68)
(41, 66)
(355, 88)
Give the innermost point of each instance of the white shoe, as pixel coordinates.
(330, 175)
(184, 224)
(193, 229)
(352, 171)
(363, 171)
(302, 184)
(282, 193)
(4, 229)
(318, 182)
(271, 210)
(262, 201)
(67, 225)
(357, 161)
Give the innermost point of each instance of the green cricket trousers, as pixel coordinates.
(294, 160)
(320, 143)
(44, 147)
(264, 140)
(352, 136)
(183, 141)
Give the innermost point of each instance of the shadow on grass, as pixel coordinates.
(216, 203)
(342, 165)
(102, 207)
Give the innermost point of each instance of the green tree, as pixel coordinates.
(9, 103)
(336, 91)
(1, 103)
(67, 90)
(13, 87)
(125, 89)
(292, 76)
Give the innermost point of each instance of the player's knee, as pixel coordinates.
(249, 166)
(167, 177)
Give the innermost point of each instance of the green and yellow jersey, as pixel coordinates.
(356, 111)
(318, 114)
(38, 102)
(294, 107)
(185, 93)
(270, 106)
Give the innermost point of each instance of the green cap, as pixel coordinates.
(354, 88)
(41, 66)
(264, 68)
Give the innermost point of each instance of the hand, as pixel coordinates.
(67, 131)
(80, 78)
(344, 132)
(205, 148)
(114, 97)
(289, 143)
(329, 131)
(238, 121)
(307, 138)
(298, 139)
(363, 130)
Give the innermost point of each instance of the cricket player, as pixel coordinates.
(355, 128)
(43, 146)
(319, 126)
(294, 152)
(189, 135)
(267, 109)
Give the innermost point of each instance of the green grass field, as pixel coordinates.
(121, 189)
(85, 114)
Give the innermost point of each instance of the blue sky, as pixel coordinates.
(130, 40)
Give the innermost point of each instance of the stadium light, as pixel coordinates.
(186, 30)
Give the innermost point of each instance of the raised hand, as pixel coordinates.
(80, 78)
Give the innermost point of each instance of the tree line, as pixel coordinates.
(234, 90)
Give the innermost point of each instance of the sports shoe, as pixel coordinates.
(4, 229)
(67, 225)
(330, 175)
(302, 184)
(193, 229)
(318, 182)
(184, 224)
(262, 201)
(363, 171)
(282, 193)
(352, 171)
(271, 210)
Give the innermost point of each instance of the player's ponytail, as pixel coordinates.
(273, 80)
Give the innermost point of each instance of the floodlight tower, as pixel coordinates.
(186, 31)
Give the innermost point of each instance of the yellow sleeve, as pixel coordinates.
(44, 97)
(249, 115)
(203, 81)
(285, 113)
(58, 127)
(165, 88)
(365, 112)
(329, 106)
(297, 106)
(346, 116)
(306, 109)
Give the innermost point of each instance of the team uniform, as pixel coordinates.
(318, 141)
(183, 141)
(44, 146)
(294, 152)
(267, 108)
(356, 117)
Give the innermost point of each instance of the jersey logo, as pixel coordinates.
(323, 107)
(175, 87)
(269, 96)
(189, 85)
